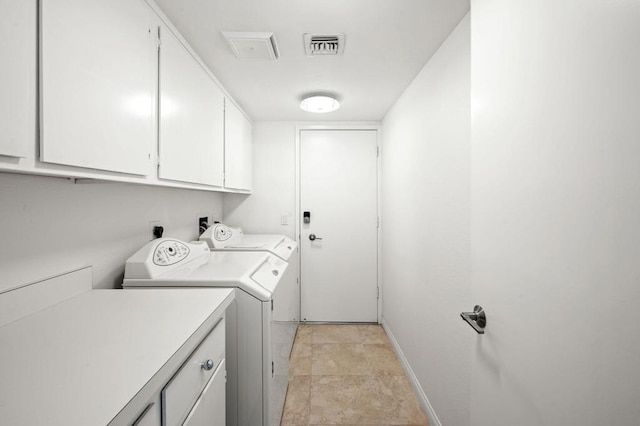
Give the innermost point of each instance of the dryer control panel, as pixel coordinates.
(162, 256)
(220, 235)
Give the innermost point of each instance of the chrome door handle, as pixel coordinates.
(313, 237)
(476, 319)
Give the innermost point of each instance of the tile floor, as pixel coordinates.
(348, 375)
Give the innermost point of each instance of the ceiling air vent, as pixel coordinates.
(250, 45)
(323, 44)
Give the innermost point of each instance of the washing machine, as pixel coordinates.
(222, 237)
(252, 394)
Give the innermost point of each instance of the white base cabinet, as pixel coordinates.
(111, 357)
(149, 417)
(184, 390)
(209, 409)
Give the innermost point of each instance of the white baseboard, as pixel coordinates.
(422, 397)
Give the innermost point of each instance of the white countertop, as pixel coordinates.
(81, 361)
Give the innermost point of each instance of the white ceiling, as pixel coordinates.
(387, 43)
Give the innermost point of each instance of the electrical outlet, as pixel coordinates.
(204, 221)
(152, 229)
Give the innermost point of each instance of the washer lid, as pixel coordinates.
(257, 273)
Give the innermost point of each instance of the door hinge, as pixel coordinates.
(377, 292)
(377, 151)
(273, 369)
(378, 222)
(272, 304)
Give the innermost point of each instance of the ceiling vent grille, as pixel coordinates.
(324, 44)
(252, 45)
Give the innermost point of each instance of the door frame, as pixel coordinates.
(342, 126)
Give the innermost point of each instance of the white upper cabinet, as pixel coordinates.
(237, 149)
(98, 84)
(191, 117)
(17, 42)
(101, 89)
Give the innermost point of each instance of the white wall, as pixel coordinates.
(556, 211)
(51, 225)
(426, 226)
(274, 191)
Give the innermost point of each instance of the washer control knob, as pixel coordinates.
(207, 365)
(275, 272)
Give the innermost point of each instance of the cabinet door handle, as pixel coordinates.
(207, 365)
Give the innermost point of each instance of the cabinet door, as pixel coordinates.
(17, 47)
(150, 417)
(191, 117)
(209, 410)
(237, 149)
(97, 84)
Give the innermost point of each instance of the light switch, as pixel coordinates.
(284, 219)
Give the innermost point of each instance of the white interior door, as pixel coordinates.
(338, 188)
(556, 213)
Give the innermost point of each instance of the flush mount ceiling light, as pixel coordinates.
(319, 104)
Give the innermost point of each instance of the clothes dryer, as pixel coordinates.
(252, 395)
(286, 304)
(221, 237)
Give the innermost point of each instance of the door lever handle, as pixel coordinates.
(476, 319)
(313, 237)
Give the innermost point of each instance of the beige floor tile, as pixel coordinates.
(304, 333)
(336, 333)
(363, 400)
(405, 409)
(344, 400)
(300, 360)
(296, 405)
(383, 360)
(356, 380)
(339, 359)
(373, 334)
